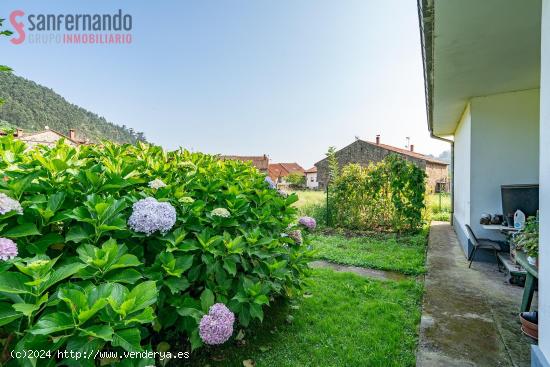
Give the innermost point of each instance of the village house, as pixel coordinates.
(279, 171)
(311, 178)
(366, 152)
(260, 162)
(47, 137)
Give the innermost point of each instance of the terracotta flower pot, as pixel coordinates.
(529, 328)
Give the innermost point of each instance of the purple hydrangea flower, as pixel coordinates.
(8, 204)
(217, 326)
(270, 182)
(296, 235)
(308, 222)
(8, 249)
(150, 215)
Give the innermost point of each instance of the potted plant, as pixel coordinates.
(528, 240)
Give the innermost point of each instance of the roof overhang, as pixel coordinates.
(474, 48)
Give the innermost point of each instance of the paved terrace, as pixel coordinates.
(469, 316)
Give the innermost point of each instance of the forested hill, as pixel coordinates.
(31, 107)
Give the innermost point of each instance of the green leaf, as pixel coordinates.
(77, 234)
(8, 314)
(53, 323)
(41, 244)
(261, 299)
(127, 339)
(207, 299)
(85, 346)
(256, 311)
(145, 294)
(22, 230)
(55, 201)
(63, 272)
(104, 332)
(191, 312)
(195, 340)
(144, 317)
(125, 261)
(176, 285)
(85, 315)
(130, 276)
(230, 266)
(25, 308)
(14, 283)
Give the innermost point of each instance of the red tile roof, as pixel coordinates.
(277, 170)
(426, 158)
(260, 162)
(311, 170)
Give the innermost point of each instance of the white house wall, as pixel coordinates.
(544, 252)
(496, 143)
(461, 174)
(505, 150)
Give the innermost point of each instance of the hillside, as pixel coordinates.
(31, 107)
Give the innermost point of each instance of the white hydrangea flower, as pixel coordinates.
(221, 212)
(8, 204)
(156, 184)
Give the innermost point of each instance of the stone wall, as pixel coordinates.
(363, 153)
(436, 173)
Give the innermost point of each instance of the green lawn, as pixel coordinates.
(405, 253)
(344, 320)
(309, 197)
(439, 206)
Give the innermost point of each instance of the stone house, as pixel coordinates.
(366, 152)
(48, 137)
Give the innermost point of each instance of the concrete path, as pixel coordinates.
(469, 316)
(365, 272)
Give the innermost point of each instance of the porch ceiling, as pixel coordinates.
(475, 48)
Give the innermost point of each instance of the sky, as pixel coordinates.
(285, 78)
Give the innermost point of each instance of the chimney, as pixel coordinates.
(72, 134)
(412, 147)
(19, 133)
(378, 139)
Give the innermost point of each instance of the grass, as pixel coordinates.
(345, 320)
(405, 253)
(310, 197)
(439, 206)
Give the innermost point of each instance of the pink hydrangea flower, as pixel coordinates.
(8, 249)
(217, 326)
(308, 222)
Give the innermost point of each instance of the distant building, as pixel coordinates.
(311, 178)
(366, 152)
(279, 171)
(48, 137)
(260, 162)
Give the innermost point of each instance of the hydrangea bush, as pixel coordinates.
(129, 247)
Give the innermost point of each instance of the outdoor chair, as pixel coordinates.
(481, 243)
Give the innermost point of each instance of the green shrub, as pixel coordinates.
(85, 280)
(388, 195)
(296, 180)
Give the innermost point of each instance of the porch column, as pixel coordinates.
(541, 354)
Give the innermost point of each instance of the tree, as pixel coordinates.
(296, 179)
(4, 68)
(333, 167)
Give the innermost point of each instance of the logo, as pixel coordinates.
(18, 26)
(114, 28)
